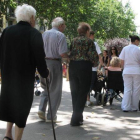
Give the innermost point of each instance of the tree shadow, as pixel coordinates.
(105, 123)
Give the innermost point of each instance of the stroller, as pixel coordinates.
(37, 81)
(100, 83)
(115, 83)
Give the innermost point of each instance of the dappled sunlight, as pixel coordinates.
(102, 122)
(2, 125)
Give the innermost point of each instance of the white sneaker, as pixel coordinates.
(55, 121)
(41, 115)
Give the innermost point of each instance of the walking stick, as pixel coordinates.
(47, 82)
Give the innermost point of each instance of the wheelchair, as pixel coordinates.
(114, 82)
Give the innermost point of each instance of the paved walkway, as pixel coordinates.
(100, 123)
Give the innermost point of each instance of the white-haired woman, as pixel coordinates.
(21, 51)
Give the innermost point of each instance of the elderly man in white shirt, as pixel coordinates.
(130, 59)
(55, 47)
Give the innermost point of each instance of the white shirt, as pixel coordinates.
(131, 56)
(99, 52)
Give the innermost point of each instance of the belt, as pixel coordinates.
(52, 58)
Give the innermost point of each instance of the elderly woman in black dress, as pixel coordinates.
(21, 51)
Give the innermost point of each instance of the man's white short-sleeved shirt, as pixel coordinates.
(131, 56)
(99, 52)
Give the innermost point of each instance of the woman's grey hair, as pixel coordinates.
(57, 21)
(24, 13)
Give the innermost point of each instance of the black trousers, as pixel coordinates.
(80, 73)
(94, 79)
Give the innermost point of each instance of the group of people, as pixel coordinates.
(129, 63)
(106, 62)
(23, 49)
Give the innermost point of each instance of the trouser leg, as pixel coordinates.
(93, 81)
(55, 86)
(135, 92)
(74, 84)
(84, 81)
(126, 102)
(44, 95)
(81, 100)
(94, 78)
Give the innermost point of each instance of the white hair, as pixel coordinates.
(57, 21)
(24, 13)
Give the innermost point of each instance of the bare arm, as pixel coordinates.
(101, 62)
(100, 58)
(108, 62)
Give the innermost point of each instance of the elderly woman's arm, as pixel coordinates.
(39, 54)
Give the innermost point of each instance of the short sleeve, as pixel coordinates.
(63, 45)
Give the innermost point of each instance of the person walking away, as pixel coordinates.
(130, 60)
(82, 55)
(94, 70)
(21, 51)
(55, 47)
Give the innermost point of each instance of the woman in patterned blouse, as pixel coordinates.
(83, 56)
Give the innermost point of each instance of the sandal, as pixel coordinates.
(7, 138)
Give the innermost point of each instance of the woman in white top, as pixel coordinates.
(130, 60)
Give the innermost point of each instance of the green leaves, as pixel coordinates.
(108, 18)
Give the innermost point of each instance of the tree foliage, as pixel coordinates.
(111, 19)
(108, 18)
(4, 4)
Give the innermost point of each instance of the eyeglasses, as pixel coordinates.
(112, 49)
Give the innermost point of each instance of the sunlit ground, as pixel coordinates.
(104, 123)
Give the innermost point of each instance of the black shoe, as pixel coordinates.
(125, 111)
(76, 124)
(7, 138)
